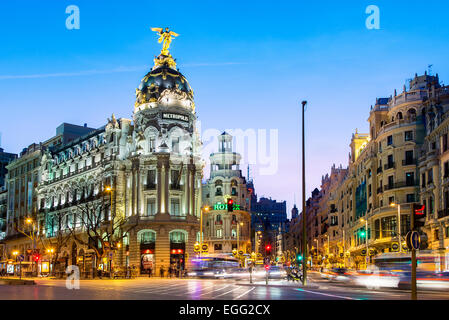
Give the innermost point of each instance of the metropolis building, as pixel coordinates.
(149, 168)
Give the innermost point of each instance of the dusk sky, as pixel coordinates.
(249, 63)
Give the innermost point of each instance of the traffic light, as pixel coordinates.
(419, 215)
(299, 257)
(268, 250)
(36, 257)
(362, 233)
(230, 204)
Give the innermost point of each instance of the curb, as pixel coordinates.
(15, 282)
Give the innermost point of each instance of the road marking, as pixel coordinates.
(326, 294)
(245, 293)
(225, 293)
(214, 290)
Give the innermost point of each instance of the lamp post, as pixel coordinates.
(29, 221)
(50, 252)
(304, 236)
(15, 253)
(109, 190)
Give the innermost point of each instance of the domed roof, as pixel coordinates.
(163, 79)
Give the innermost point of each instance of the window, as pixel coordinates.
(388, 226)
(148, 237)
(410, 179)
(218, 247)
(408, 158)
(446, 169)
(389, 140)
(174, 207)
(177, 237)
(152, 144)
(408, 135)
(234, 233)
(429, 177)
(151, 207)
(423, 180)
(175, 145)
(390, 182)
(151, 179)
(390, 200)
(410, 198)
(219, 233)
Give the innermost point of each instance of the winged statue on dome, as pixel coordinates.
(166, 37)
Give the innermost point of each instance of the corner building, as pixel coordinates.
(152, 165)
(225, 231)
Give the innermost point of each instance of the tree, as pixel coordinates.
(98, 224)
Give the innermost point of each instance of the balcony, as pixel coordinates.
(409, 162)
(388, 166)
(398, 185)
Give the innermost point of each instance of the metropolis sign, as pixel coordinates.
(175, 116)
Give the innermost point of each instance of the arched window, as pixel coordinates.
(146, 236)
(399, 115)
(178, 236)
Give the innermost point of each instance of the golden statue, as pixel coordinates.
(166, 37)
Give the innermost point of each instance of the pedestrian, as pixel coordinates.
(161, 270)
(150, 270)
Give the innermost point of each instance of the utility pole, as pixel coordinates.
(413, 284)
(304, 229)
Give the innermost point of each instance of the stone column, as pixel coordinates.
(166, 185)
(187, 190)
(159, 186)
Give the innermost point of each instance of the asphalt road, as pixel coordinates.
(198, 289)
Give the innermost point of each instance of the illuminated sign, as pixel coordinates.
(224, 206)
(175, 116)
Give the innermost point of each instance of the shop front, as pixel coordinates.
(147, 239)
(177, 250)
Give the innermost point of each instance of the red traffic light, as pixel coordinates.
(37, 257)
(268, 247)
(230, 201)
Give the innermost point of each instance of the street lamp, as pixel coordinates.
(15, 253)
(304, 236)
(399, 224)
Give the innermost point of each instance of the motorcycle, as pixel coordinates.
(294, 276)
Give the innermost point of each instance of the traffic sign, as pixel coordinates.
(342, 255)
(266, 260)
(372, 252)
(204, 247)
(395, 247)
(110, 255)
(240, 252)
(364, 252)
(21, 257)
(413, 240)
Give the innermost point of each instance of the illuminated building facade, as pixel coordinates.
(221, 228)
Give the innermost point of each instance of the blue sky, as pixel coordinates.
(250, 64)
